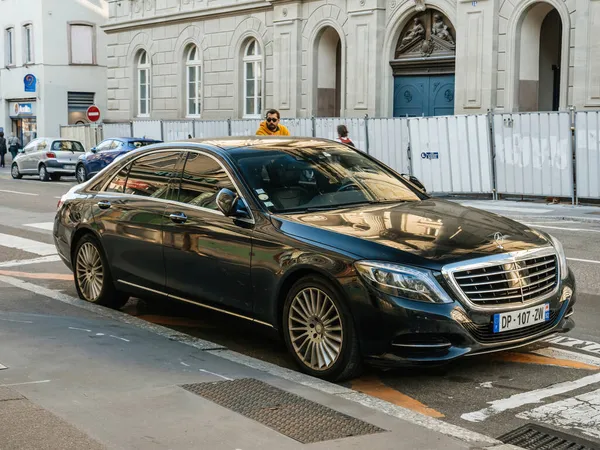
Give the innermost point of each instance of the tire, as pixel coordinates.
(15, 173)
(43, 173)
(329, 331)
(89, 261)
(81, 174)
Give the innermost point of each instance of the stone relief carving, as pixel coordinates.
(427, 33)
(420, 5)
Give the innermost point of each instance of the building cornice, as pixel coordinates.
(166, 19)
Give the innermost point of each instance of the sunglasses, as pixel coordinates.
(272, 120)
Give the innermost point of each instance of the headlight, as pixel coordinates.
(402, 281)
(562, 259)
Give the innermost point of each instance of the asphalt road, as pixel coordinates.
(556, 383)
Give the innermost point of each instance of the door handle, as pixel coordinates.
(178, 217)
(103, 205)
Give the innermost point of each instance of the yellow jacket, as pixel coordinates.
(263, 130)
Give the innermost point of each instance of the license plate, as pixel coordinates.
(69, 166)
(521, 318)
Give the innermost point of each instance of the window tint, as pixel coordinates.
(115, 144)
(104, 145)
(42, 145)
(149, 175)
(202, 179)
(117, 184)
(67, 146)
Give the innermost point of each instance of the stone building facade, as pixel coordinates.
(216, 59)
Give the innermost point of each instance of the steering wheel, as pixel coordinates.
(350, 186)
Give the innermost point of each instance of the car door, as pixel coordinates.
(25, 160)
(129, 215)
(207, 255)
(94, 160)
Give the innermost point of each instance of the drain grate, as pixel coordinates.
(293, 416)
(537, 437)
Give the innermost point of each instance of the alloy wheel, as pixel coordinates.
(81, 174)
(43, 174)
(90, 272)
(15, 171)
(315, 328)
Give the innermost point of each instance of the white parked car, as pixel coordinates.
(47, 158)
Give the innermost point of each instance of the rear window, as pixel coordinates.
(139, 144)
(67, 146)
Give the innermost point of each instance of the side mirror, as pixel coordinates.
(21, 150)
(415, 181)
(230, 205)
(93, 149)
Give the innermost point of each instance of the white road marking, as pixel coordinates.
(559, 353)
(26, 382)
(47, 226)
(20, 193)
(580, 413)
(80, 329)
(99, 334)
(508, 208)
(526, 398)
(16, 321)
(120, 338)
(579, 344)
(26, 262)
(584, 260)
(27, 245)
(215, 374)
(585, 230)
(2, 367)
(184, 364)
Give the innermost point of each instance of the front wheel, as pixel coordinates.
(319, 331)
(43, 173)
(81, 174)
(93, 279)
(15, 173)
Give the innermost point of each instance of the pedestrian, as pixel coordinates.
(3, 149)
(343, 135)
(271, 126)
(14, 144)
(189, 136)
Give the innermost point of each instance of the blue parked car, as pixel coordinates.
(106, 152)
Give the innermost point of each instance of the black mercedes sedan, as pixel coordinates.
(346, 258)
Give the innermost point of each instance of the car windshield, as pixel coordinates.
(67, 146)
(304, 176)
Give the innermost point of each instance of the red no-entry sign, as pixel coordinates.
(93, 113)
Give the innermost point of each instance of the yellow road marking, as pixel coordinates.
(528, 358)
(37, 276)
(375, 388)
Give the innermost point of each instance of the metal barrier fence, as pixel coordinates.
(521, 153)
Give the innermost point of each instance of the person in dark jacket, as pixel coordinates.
(343, 135)
(14, 144)
(3, 149)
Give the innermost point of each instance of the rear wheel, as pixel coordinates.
(14, 171)
(81, 173)
(319, 330)
(93, 279)
(43, 173)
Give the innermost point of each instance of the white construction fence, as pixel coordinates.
(533, 154)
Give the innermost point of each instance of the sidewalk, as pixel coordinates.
(79, 379)
(530, 209)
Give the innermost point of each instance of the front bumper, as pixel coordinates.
(404, 332)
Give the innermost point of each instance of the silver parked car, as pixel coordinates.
(48, 158)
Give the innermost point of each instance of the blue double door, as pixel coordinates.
(423, 95)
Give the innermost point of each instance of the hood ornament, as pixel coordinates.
(499, 240)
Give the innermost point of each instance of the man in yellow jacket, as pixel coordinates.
(271, 126)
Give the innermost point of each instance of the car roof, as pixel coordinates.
(245, 143)
(129, 139)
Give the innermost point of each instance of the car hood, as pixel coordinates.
(429, 233)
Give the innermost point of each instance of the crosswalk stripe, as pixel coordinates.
(27, 245)
(48, 226)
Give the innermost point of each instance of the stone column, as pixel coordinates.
(476, 56)
(287, 40)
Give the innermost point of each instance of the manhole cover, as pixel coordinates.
(286, 413)
(537, 437)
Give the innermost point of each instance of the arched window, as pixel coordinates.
(193, 82)
(253, 77)
(143, 80)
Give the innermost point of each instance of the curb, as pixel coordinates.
(326, 387)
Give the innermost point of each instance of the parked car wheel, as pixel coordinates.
(93, 279)
(81, 173)
(319, 331)
(14, 171)
(43, 173)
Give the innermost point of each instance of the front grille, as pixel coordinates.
(485, 333)
(516, 281)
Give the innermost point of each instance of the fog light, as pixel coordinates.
(459, 316)
(567, 294)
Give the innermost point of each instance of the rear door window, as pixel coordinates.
(149, 175)
(117, 184)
